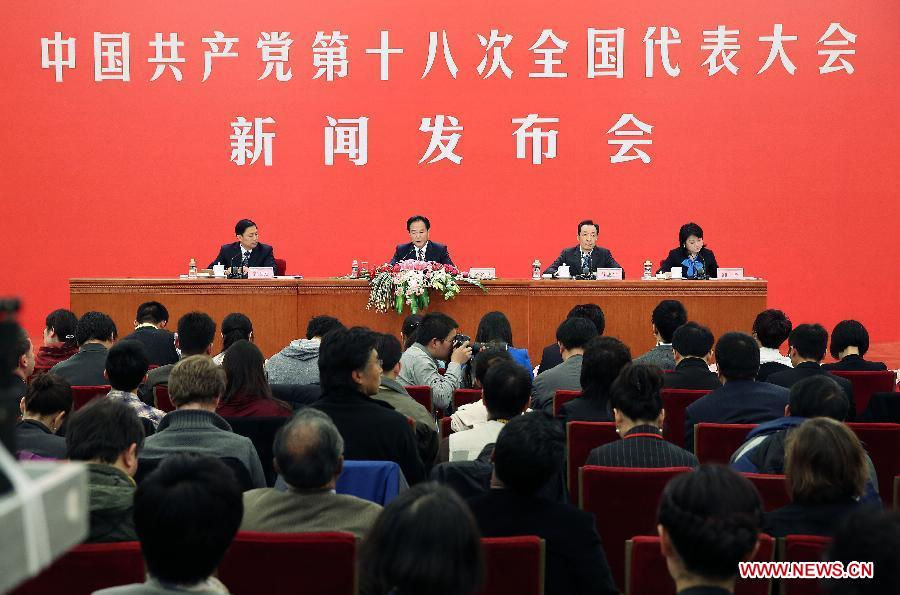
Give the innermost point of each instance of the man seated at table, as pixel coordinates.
(587, 256)
(150, 330)
(247, 251)
(95, 333)
(420, 247)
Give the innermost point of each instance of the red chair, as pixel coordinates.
(867, 383)
(422, 394)
(272, 563)
(623, 501)
(513, 566)
(161, 398)
(87, 568)
(882, 442)
(675, 401)
(772, 489)
(82, 395)
(562, 397)
(715, 443)
(280, 266)
(647, 572)
(581, 438)
(446, 430)
(802, 548)
(464, 396)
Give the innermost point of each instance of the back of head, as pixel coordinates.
(195, 379)
(849, 333)
(425, 541)
(575, 333)
(244, 372)
(824, 463)
(410, 326)
(737, 356)
(507, 390)
(604, 358)
(319, 326)
(529, 450)
(636, 392)
(868, 534)
(494, 327)
(434, 325)
(102, 430)
(772, 328)
(668, 315)
(19, 342)
(692, 340)
(63, 323)
(235, 327)
(95, 326)
(151, 313)
(127, 364)
(186, 513)
(389, 351)
(486, 359)
(809, 340)
(819, 396)
(196, 332)
(308, 449)
(712, 517)
(342, 351)
(592, 312)
(48, 394)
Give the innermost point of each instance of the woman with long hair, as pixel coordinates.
(247, 391)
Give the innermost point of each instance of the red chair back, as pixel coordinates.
(82, 395)
(802, 548)
(623, 501)
(446, 430)
(464, 396)
(882, 442)
(280, 266)
(422, 394)
(87, 568)
(161, 398)
(562, 397)
(581, 438)
(867, 383)
(272, 562)
(715, 443)
(772, 489)
(675, 401)
(513, 566)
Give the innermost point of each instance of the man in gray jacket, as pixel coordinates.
(667, 317)
(572, 335)
(298, 363)
(435, 339)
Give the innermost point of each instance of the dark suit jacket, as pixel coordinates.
(787, 378)
(261, 256)
(86, 367)
(641, 446)
(677, 256)
(799, 519)
(550, 358)
(691, 374)
(769, 368)
(855, 363)
(576, 561)
(585, 409)
(158, 343)
(601, 258)
(736, 402)
(434, 252)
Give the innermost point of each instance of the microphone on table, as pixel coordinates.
(409, 252)
(236, 271)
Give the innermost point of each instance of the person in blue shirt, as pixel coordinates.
(696, 260)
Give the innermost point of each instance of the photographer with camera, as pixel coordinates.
(437, 338)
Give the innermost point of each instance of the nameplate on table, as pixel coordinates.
(483, 273)
(609, 274)
(730, 273)
(260, 273)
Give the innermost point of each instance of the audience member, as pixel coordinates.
(425, 542)
(235, 327)
(571, 337)
(604, 358)
(196, 333)
(95, 333)
(867, 535)
(494, 328)
(709, 521)
(741, 399)
(469, 415)
(692, 346)
(247, 392)
(150, 331)
(435, 340)
(551, 357)
(408, 330)
(807, 350)
(849, 343)
(195, 386)
(350, 373)
(309, 455)
(667, 316)
(771, 329)
(637, 406)
(529, 450)
(186, 513)
(107, 435)
(21, 362)
(298, 363)
(825, 471)
(45, 405)
(126, 368)
(59, 340)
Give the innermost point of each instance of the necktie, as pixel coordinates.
(585, 263)
(246, 259)
(420, 254)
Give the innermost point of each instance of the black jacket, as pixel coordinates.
(86, 367)
(230, 255)
(550, 358)
(769, 368)
(641, 446)
(586, 409)
(799, 519)
(855, 363)
(36, 438)
(158, 343)
(691, 374)
(434, 252)
(601, 258)
(787, 378)
(677, 255)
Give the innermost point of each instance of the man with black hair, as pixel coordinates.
(667, 316)
(247, 251)
(126, 368)
(420, 247)
(740, 399)
(467, 416)
(587, 256)
(298, 363)
(47, 402)
(350, 374)
(771, 329)
(150, 331)
(692, 345)
(309, 455)
(96, 332)
(550, 358)
(59, 340)
(529, 451)
(807, 345)
(186, 514)
(196, 333)
(107, 435)
(571, 338)
(21, 363)
(435, 340)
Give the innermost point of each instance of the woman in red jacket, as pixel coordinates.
(247, 391)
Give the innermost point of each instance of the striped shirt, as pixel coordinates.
(141, 408)
(641, 446)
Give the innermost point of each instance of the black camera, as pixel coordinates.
(459, 339)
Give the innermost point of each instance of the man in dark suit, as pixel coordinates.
(421, 248)
(587, 256)
(692, 346)
(742, 400)
(149, 330)
(95, 332)
(806, 348)
(247, 251)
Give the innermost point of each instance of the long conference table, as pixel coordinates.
(280, 308)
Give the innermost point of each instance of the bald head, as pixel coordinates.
(309, 450)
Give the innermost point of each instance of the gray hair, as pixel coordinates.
(308, 449)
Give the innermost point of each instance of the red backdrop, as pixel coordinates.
(792, 177)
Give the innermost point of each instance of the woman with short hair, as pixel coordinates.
(695, 259)
(849, 343)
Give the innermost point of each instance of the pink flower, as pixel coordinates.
(436, 266)
(396, 268)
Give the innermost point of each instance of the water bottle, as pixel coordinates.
(192, 269)
(648, 269)
(364, 269)
(536, 269)
(354, 270)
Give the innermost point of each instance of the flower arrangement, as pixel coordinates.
(409, 281)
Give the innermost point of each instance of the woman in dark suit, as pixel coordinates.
(696, 260)
(849, 343)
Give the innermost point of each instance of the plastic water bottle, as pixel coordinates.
(648, 269)
(536, 269)
(354, 270)
(192, 269)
